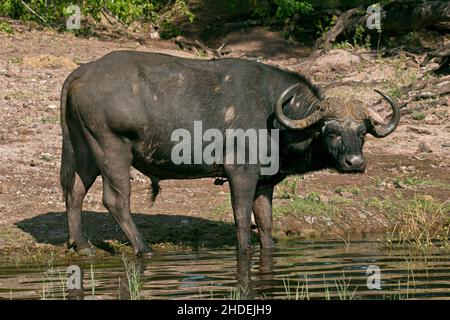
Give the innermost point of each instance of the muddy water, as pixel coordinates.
(295, 270)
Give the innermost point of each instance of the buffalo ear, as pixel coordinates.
(375, 117)
(301, 146)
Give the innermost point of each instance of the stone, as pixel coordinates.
(419, 130)
(427, 197)
(424, 147)
(346, 194)
(3, 188)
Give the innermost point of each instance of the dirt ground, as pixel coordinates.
(34, 64)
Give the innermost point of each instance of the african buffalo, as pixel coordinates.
(122, 110)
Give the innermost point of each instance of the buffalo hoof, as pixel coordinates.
(147, 254)
(84, 249)
(87, 251)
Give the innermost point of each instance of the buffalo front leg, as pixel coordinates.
(242, 183)
(262, 209)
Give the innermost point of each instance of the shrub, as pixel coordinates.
(54, 13)
(5, 27)
(288, 8)
(418, 116)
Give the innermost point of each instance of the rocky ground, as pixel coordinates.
(412, 163)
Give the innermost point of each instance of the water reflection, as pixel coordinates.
(294, 270)
(254, 284)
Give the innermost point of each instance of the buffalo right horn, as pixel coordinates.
(293, 123)
(388, 128)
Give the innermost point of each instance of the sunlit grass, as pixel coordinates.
(340, 289)
(424, 222)
(311, 205)
(133, 274)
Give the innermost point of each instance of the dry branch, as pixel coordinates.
(427, 89)
(189, 44)
(335, 84)
(440, 56)
(34, 13)
(106, 13)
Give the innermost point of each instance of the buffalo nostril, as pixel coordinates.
(348, 162)
(354, 161)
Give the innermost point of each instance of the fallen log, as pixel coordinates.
(413, 15)
(396, 17)
(440, 56)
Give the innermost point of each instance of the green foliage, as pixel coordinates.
(5, 27)
(359, 40)
(168, 30)
(278, 9)
(313, 197)
(288, 8)
(50, 12)
(183, 9)
(423, 221)
(311, 205)
(419, 116)
(325, 25)
(344, 45)
(411, 181)
(54, 13)
(167, 27)
(411, 39)
(339, 200)
(11, 8)
(287, 188)
(359, 36)
(127, 11)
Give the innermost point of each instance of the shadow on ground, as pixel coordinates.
(51, 228)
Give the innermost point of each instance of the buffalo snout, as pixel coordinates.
(353, 163)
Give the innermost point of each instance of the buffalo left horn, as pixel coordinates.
(293, 123)
(387, 129)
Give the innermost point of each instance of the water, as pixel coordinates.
(296, 270)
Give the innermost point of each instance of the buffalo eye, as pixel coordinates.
(362, 134)
(333, 136)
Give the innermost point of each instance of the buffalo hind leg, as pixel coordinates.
(116, 192)
(74, 203)
(85, 175)
(262, 209)
(242, 181)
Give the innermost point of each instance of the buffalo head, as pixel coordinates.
(343, 126)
